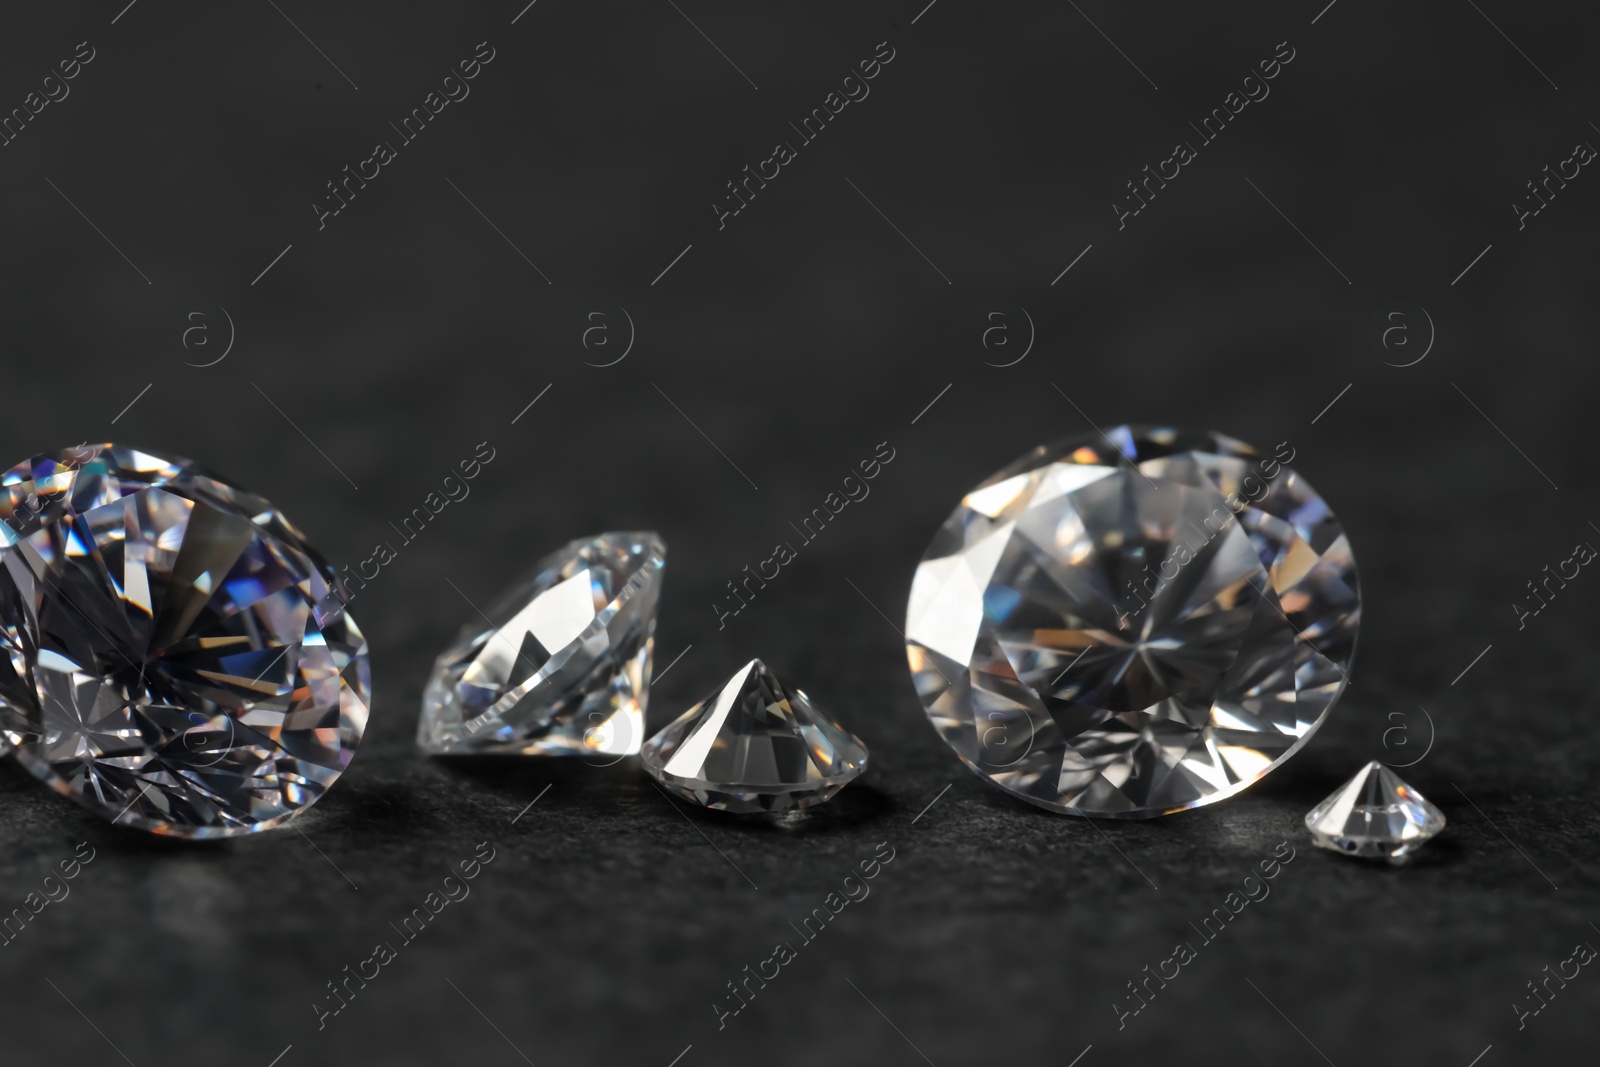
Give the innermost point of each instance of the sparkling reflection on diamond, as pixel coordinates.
(1133, 624)
(559, 665)
(178, 659)
(755, 745)
(1374, 815)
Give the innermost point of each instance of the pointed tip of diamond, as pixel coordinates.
(1375, 815)
(755, 744)
(561, 664)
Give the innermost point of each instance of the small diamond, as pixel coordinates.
(175, 656)
(755, 744)
(1374, 815)
(1133, 624)
(560, 665)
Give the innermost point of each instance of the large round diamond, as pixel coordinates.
(1133, 624)
(175, 656)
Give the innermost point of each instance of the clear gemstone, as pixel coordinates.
(560, 665)
(1374, 815)
(755, 744)
(178, 658)
(1133, 624)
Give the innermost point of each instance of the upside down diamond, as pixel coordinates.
(756, 744)
(1133, 624)
(1374, 815)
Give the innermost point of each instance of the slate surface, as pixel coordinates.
(457, 287)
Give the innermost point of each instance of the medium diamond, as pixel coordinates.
(178, 658)
(1374, 815)
(560, 665)
(1133, 624)
(755, 744)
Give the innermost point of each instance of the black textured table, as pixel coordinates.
(180, 181)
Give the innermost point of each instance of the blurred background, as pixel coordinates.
(952, 269)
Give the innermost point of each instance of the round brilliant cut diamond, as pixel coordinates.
(1133, 624)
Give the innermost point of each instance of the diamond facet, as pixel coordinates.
(1376, 816)
(1133, 624)
(755, 744)
(176, 656)
(560, 665)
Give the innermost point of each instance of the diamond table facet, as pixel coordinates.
(177, 657)
(755, 745)
(1133, 624)
(1374, 816)
(560, 665)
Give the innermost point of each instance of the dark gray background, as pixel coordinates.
(796, 339)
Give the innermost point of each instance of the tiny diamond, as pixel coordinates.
(1133, 624)
(560, 665)
(1374, 815)
(755, 744)
(176, 657)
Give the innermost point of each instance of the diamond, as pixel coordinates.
(1376, 816)
(177, 657)
(560, 665)
(755, 744)
(1133, 624)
